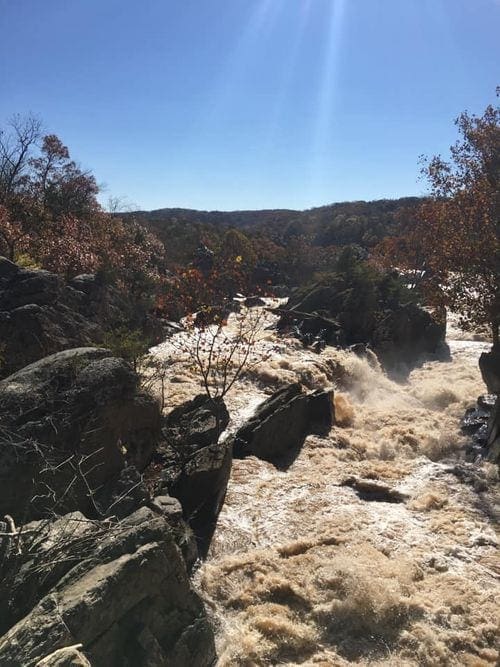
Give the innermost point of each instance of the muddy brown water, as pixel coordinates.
(302, 571)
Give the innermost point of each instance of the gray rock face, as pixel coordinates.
(120, 590)
(406, 333)
(280, 425)
(40, 314)
(171, 510)
(193, 424)
(69, 656)
(196, 466)
(70, 423)
(399, 333)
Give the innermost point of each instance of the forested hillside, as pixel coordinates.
(361, 222)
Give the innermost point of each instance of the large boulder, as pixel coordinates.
(19, 287)
(196, 466)
(119, 592)
(41, 314)
(489, 363)
(195, 424)
(277, 430)
(70, 424)
(342, 313)
(405, 333)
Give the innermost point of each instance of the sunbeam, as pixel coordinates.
(323, 132)
(239, 59)
(289, 69)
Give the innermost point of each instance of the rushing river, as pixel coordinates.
(302, 571)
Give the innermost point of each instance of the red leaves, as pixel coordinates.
(453, 241)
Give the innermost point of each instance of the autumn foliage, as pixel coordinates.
(451, 244)
(50, 216)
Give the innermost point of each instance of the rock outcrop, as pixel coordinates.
(399, 333)
(41, 314)
(277, 430)
(404, 334)
(115, 594)
(196, 466)
(482, 423)
(70, 424)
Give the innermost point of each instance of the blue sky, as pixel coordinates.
(235, 104)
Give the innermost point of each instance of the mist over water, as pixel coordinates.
(302, 571)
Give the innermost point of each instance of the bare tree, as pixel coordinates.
(116, 205)
(16, 145)
(221, 352)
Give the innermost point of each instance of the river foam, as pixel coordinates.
(302, 571)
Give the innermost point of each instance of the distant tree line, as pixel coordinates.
(446, 244)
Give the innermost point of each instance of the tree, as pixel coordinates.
(11, 235)
(453, 243)
(221, 352)
(16, 146)
(50, 213)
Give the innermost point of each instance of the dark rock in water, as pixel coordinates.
(321, 412)
(493, 434)
(254, 302)
(404, 334)
(280, 425)
(374, 491)
(196, 466)
(489, 363)
(309, 328)
(470, 474)
(483, 423)
(213, 315)
(474, 419)
(201, 488)
(359, 349)
(195, 424)
(487, 401)
(120, 590)
(400, 334)
(481, 435)
(70, 423)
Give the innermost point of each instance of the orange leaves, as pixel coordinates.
(453, 240)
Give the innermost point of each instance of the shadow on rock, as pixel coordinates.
(196, 466)
(280, 425)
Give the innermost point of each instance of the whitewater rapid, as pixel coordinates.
(302, 571)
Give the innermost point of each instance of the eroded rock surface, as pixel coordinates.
(280, 425)
(196, 466)
(41, 314)
(70, 424)
(119, 589)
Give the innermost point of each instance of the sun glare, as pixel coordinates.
(323, 133)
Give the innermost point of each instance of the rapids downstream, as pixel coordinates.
(302, 571)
